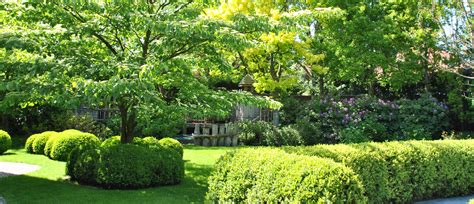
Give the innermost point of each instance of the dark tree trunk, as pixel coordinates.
(127, 123)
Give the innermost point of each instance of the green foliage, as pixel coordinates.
(282, 136)
(271, 175)
(150, 141)
(252, 132)
(82, 171)
(86, 123)
(5, 141)
(402, 172)
(422, 118)
(40, 141)
(172, 144)
(49, 144)
(115, 140)
(126, 166)
(29, 143)
(70, 139)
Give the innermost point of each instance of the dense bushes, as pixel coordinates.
(40, 140)
(401, 172)
(273, 176)
(70, 139)
(5, 141)
(126, 166)
(58, 146)
(369, 119)
(170, 143)
(255, 133)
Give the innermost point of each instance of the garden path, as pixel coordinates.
(13, 168)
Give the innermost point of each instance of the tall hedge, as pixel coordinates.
(272, 176)
(400, 172)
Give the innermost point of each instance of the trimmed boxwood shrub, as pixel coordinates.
(266, 175)
(126, 166)
(401, 172)
(70, 139)
(5, 141)
(49, 144)
(115, 140)
(173, 144)
(29, 142)
(84, 171)
(40, 141)
(150, 141)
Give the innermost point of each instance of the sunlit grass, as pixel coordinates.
(46, 185)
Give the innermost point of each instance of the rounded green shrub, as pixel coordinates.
(126, 166)
(82, 164)
(40, 141)
(49, 144)
(266, 175)
(150, 141)
(173, 144)
(5, 141)
(29, 143)
(68, 140)
(168, 166)
(115, 140)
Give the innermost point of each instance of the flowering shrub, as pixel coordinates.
(371, 119)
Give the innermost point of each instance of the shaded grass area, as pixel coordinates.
(47, 185)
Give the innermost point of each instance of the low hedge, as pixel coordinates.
(126, 166)
(265, 175)
(66, 141)
(5, 141)
(40, 140)
(401, 172)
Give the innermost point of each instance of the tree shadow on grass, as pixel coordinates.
(29, 189)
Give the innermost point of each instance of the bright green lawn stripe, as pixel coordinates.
(45, 185)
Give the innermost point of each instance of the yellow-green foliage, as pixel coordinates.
(173, 144)
(29, 143)
(66, 141)
(5, 141)
(265, 175)
(40, 140)
(49, 145)
(401, 172)
(115, 140)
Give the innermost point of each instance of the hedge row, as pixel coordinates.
(143, 163)
(5, 141)
(400, 172)
(272, 176)
(58, 146)
(391, 172)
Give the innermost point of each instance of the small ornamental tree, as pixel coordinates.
(129, 55)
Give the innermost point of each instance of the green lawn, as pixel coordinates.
(47, 185)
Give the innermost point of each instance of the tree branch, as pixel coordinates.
(77, 16)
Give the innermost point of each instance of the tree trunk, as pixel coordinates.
(127, 123)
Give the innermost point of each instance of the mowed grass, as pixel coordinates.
(47, 185)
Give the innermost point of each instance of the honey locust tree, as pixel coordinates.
(135, 56)
(276, 41)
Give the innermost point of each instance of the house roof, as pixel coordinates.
(247, 81)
